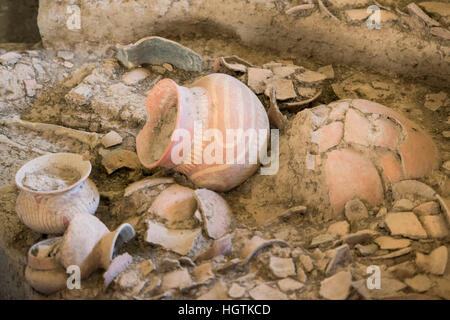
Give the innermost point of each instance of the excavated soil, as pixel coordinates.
(255, 204)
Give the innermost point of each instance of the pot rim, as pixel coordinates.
(84, 169)
(173, 86)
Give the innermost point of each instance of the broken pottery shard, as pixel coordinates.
(257, 78)
(427, 208)
(322, 239)
(402, 205)
(340, 228)
(203, 272)
(216, 214)
(389, 288)
(233, 63)
(395, 254)
(174, 204)
(415, 10)
(434, 101)
(403, 270)
(288, 285)
(179, 241)
(118, 265)
(282, 267)
(236, 291)
(218, 292)
(264, 292)
(178, 279)
(355, 210)
(146, 267)
(302, 9)
(146, 183)
(336, 287)
(328, 71)
(435, 262)
(409, 189)
(339, 257)
(405, 224)
(283, 87)
(157, 51)
(111, 139)
(356, 15)
(441, 33)
(256, 244)
(419, 283)
(340, 171)
(389, 243)
(119, 158)
(435, 226)
(276, 118)
(309, 76)
(445, 205)
(220, 246)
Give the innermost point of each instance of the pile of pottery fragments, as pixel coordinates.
(194, 227)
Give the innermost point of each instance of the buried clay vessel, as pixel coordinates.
(87, 244)
(216, 101)
(54, 189)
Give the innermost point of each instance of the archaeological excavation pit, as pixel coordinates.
(241, 150)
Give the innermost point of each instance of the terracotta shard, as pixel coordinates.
(405, 224)
(219, 247)
(407, 189)
(351, 175)
(435, 262)
(276, 118)
(178, 279)
(392, 167)
(145, 184)
(118, 265)
(389, 243)
(157, 51)
(445, 205)
(255, 245)
(328, 136)
(216, 213)
(264, 292)
(179, 241)
(392, 255)
(414, 9)
(336, 287)
(119, 158)
(203, 272)
(418, 152)
(174, 204)
(357, 128)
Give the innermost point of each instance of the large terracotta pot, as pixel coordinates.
(217, 101)
(50, 211)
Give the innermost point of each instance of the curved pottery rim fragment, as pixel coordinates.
(72, 160)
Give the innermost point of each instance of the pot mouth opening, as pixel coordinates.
(122, 235)
(53, 173)
(154, 141)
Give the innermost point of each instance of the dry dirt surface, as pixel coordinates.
(283, 245)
